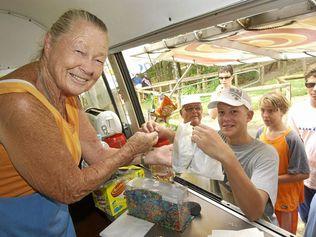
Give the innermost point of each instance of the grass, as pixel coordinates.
(298, 88)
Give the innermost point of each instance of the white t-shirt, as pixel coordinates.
(302, 119)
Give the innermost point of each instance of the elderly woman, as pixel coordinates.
(44, 133)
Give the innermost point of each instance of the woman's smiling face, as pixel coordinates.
(75, 59)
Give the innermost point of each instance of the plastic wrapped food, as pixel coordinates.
(158, 202)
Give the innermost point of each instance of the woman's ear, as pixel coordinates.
(47, 43)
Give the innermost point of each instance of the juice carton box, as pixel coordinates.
(110, 198)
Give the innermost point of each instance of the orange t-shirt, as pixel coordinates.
(12, 183)
(290, 195)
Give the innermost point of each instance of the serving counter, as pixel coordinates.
(216, 214)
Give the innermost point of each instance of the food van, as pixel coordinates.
(286, 28)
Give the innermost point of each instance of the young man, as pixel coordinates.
(302, 120)
(225, 76)
(251, 167)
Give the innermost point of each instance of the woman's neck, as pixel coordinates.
(47, 85)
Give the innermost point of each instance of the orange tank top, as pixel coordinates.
(11, 183)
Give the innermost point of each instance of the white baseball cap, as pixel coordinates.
(231, 96)
(190, 99)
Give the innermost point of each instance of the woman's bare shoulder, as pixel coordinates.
(21, 101)
(27, 72)
(18, 109)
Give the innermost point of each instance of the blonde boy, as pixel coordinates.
(293, 165)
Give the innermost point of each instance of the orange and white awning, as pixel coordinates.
(295, 40)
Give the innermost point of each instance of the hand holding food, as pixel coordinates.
(211, 143)
(162, 131)
(142, 142)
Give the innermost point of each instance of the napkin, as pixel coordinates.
(251, 232)
(127, 225)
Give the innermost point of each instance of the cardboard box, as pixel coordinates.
(110, 197)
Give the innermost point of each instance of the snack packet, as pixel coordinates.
(166, 108)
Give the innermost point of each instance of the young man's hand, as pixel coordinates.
(210, 142)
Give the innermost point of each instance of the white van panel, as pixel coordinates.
(125, 19)
(19, 41)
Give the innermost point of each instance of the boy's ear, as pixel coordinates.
(250, 114)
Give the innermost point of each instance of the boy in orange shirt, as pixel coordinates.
(293, 165)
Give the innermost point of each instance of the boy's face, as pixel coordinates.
(311, 88)
(233, 120)
(271, 116)
(225, 78)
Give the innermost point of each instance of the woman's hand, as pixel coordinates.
(208, 140)
(142, 142)
(160, 156)
(150, 126)
(162, 131)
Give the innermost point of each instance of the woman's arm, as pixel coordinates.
(94, 152)
(92, 149)
(35, 146)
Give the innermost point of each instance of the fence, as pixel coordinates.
(167, 86)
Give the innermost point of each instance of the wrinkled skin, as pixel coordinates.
(140, 142)
(162, 131)
(161, 155)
